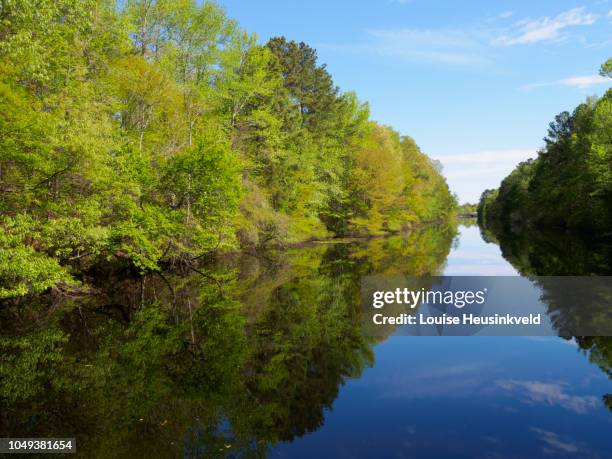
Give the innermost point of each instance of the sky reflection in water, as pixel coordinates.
(468, 396)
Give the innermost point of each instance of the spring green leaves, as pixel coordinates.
(148, 133)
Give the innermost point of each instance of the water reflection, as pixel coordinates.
(535, 252)
(445, 397)
(553, 394)
(264, 355)
(226, 362)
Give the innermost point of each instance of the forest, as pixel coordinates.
(569, 185)
(467, 209)
(147, 134)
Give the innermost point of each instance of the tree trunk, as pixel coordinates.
(188, 216)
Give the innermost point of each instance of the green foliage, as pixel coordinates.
(569, 185)
(30, 364)
(606, 68)
(152, 132)
(24, 270)
(467, 209)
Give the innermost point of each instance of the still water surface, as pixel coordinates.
(483, 397)
(269, 360)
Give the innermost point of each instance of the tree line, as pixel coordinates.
(467, 209)
(148, 133)
(569, 184)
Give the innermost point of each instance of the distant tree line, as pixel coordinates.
(467, 209)
(569, 184)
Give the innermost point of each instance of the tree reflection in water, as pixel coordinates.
(536, 252)
(185, 365)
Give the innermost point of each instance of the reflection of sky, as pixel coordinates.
(468, 397)
(538, 392)
(473, 257)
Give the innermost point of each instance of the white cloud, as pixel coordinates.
(554, 444)
(468, 46)
(584, 81)
(468, 174)
(580, 82)
(546, 28)
(550, 394)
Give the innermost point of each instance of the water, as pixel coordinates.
(468, 396)
(270, 361)
(473, 257)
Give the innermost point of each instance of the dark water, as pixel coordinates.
(265, 357)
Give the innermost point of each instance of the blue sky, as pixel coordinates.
(475, 83)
